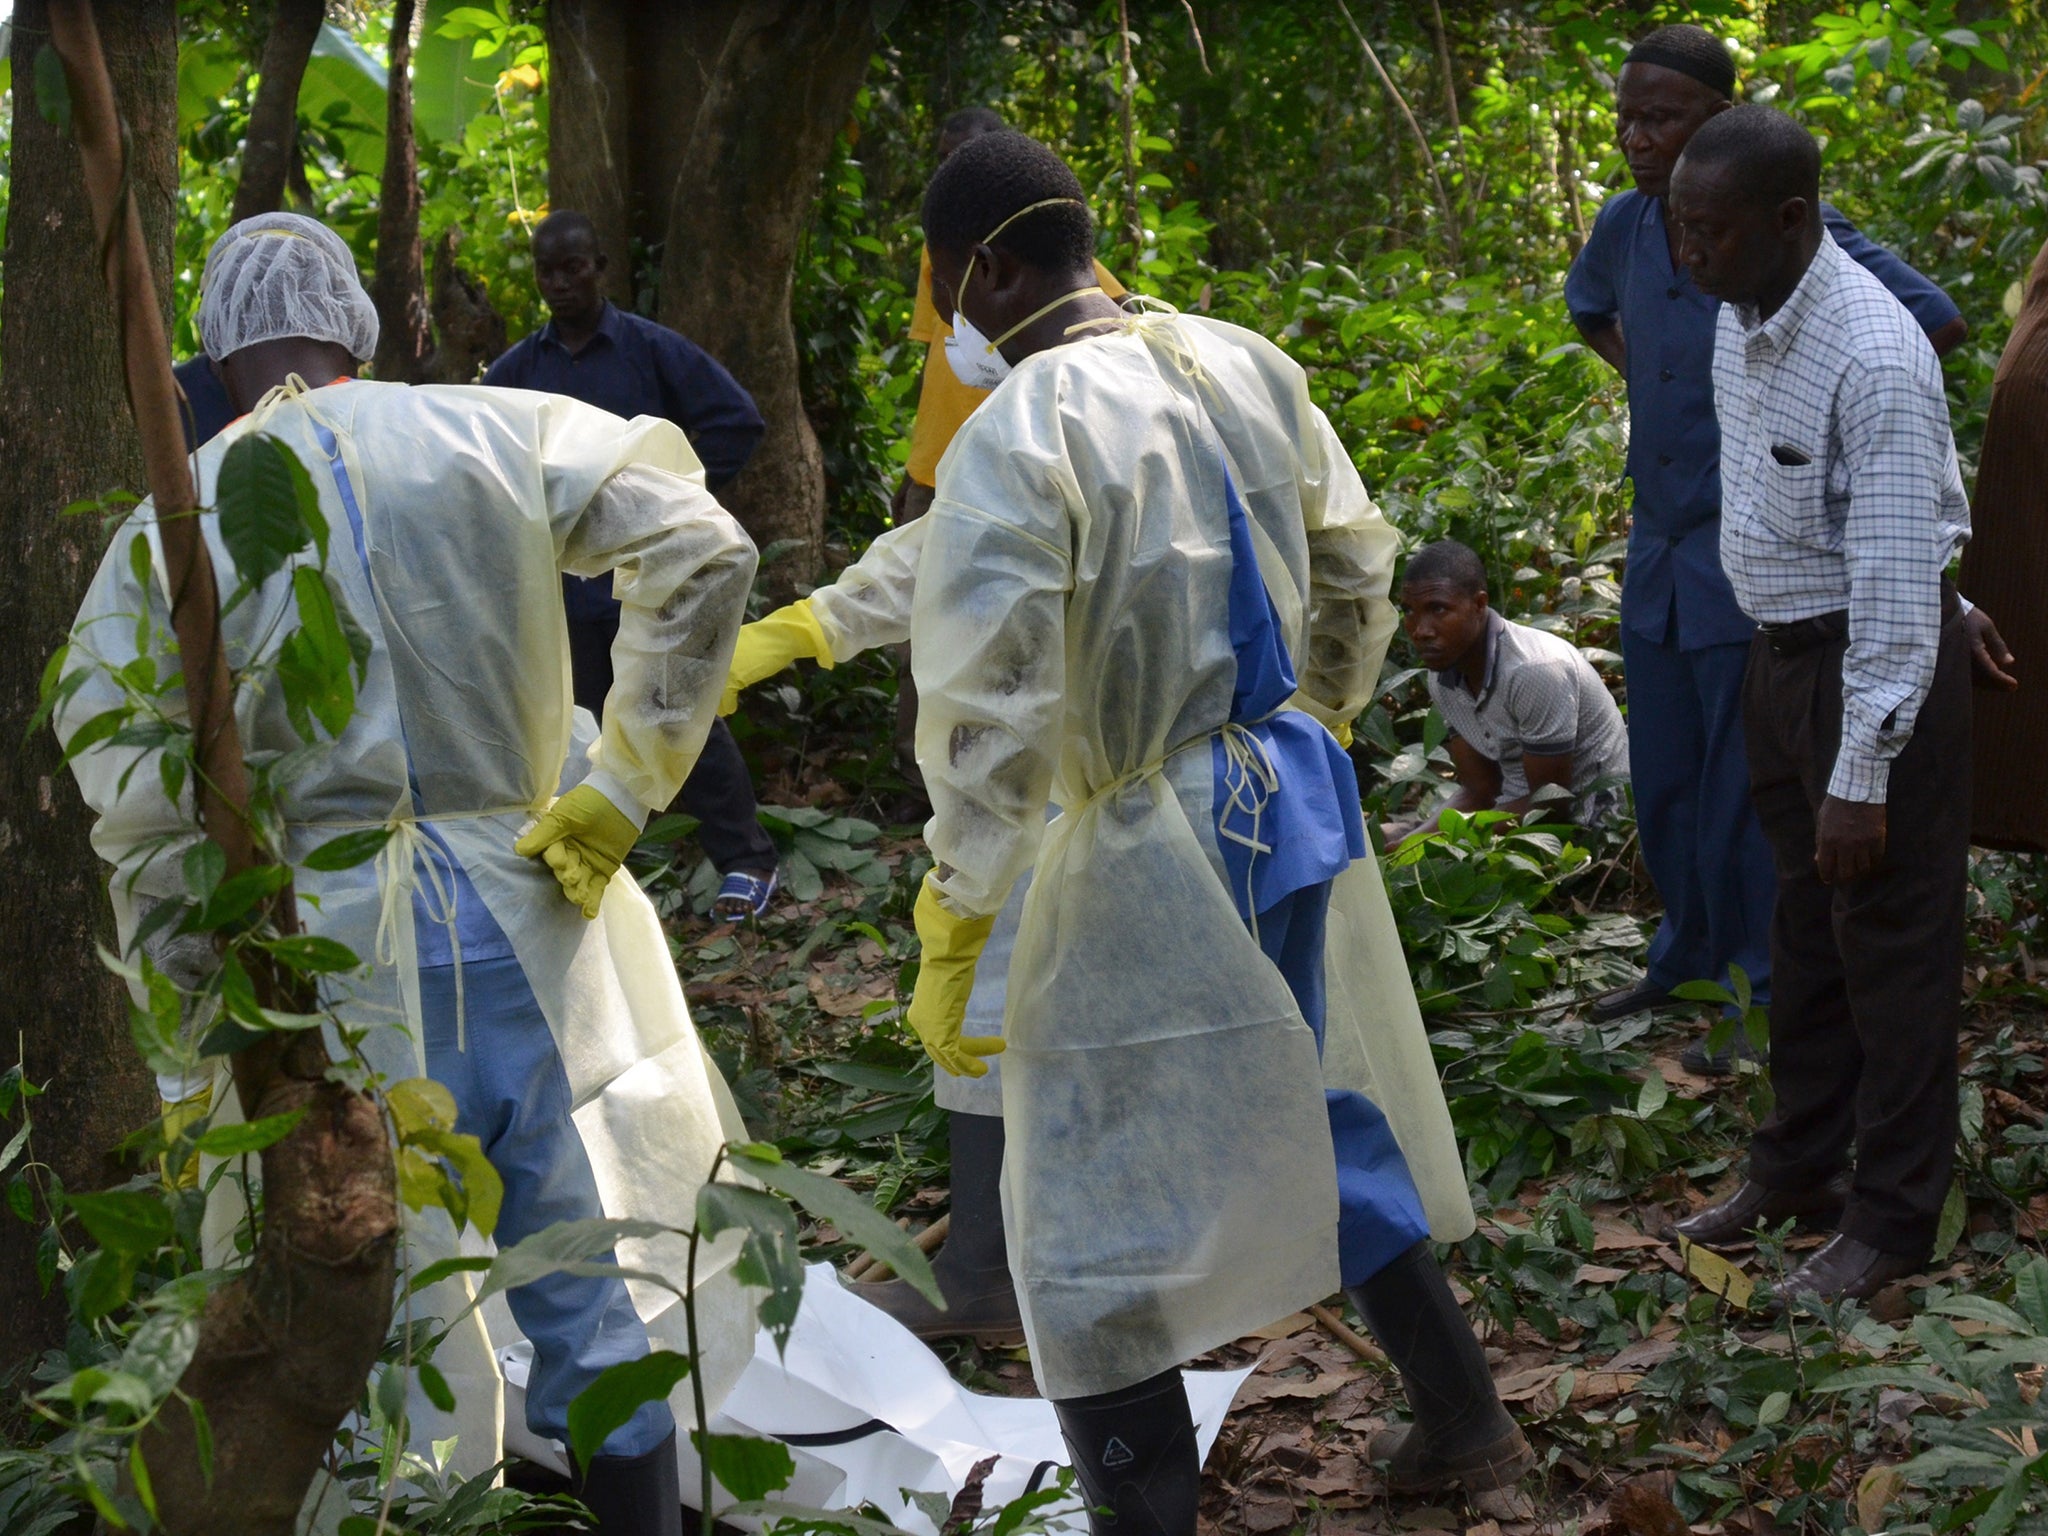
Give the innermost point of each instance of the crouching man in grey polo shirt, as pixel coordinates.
(1525, 709)
(1841, 508)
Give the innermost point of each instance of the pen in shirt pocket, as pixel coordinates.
(1789, 456)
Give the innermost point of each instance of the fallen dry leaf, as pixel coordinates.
(1520, 1386)
(1600, 1274)
(1716, 1275)
(1643, 1355)
(1596, 1387)
(1873, 1493)
(1265, 1513)
(1611, 1236)
(1340, 1474)
(1266, 1389)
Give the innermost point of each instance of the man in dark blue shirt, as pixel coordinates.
(1684, 641)
(208, 410)
(593, 351)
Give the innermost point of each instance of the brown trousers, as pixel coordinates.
(1866, 976)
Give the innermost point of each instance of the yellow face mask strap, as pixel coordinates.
(1078, 293)
(1041, 313)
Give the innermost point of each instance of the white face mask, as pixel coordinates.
(974, 359)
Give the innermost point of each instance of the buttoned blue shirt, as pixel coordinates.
(632, 366)
(1674, 587)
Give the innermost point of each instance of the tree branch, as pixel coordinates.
(285, 1348)
(1443, 200)
(274, 118)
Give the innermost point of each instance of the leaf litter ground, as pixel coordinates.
(1660, 1392)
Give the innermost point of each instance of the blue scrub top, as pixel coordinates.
(632, 366)
(1307, 825)
(1625, 273)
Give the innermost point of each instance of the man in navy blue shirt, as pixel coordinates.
(595, 352)
(207, 409)
(1684, 642)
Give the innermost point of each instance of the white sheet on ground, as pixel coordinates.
(849, 1365)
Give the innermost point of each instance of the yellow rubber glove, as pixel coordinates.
(1342, 731)
(583, 837)
(945, 975)
(786, 636)
(178, 1115)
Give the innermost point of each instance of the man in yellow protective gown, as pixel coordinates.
(1151, 578)
(557, 1025)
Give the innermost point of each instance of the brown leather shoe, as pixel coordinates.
(981, 1307)
(1755, 1205)
(1844, 1269)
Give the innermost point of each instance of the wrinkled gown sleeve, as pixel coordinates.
(681, 570)
(869, 605)
(988, 647)
(1351, 550)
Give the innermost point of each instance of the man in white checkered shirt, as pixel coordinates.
(1841, 508)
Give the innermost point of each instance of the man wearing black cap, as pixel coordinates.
(1685, 642)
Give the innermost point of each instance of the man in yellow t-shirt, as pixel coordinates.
(943, 402)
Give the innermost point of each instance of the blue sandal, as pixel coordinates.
(741, 895)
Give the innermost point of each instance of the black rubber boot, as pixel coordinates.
(1134, 1455)
(973, 1265)
(635, 1495)
(1462, 1436)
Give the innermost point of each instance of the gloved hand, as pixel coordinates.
(789, 634)
(583, 837)
(945, 975)
(1342, 731)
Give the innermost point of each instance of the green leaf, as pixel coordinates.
(746, 1467)
(313, 954)
(1955, 1214)
(266, 506)
(315, 666)
(483, 1191)
(342, 74)
(449, 87)
(617, 1394)
(441, 1269)
(848, 1212)
(99, 1282)
(96, 730)
(249, 1135)
(572, 1248)
(235, 897)
(348, 850)
(770, 1256)
(419, 1104)
(53, 91)
(204, 866)
(1773, 1409)
(125, 1220)
(440, 1394)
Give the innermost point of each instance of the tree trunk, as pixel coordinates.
(285, 1347)
(65, 434)
(777, 95)
(590, 167)
(399, 285)
(274, 119)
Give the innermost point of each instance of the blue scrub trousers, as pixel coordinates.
(1702, 843)
(512, 1094)
(1379, 1214)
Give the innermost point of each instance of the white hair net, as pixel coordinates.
(282, 274)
